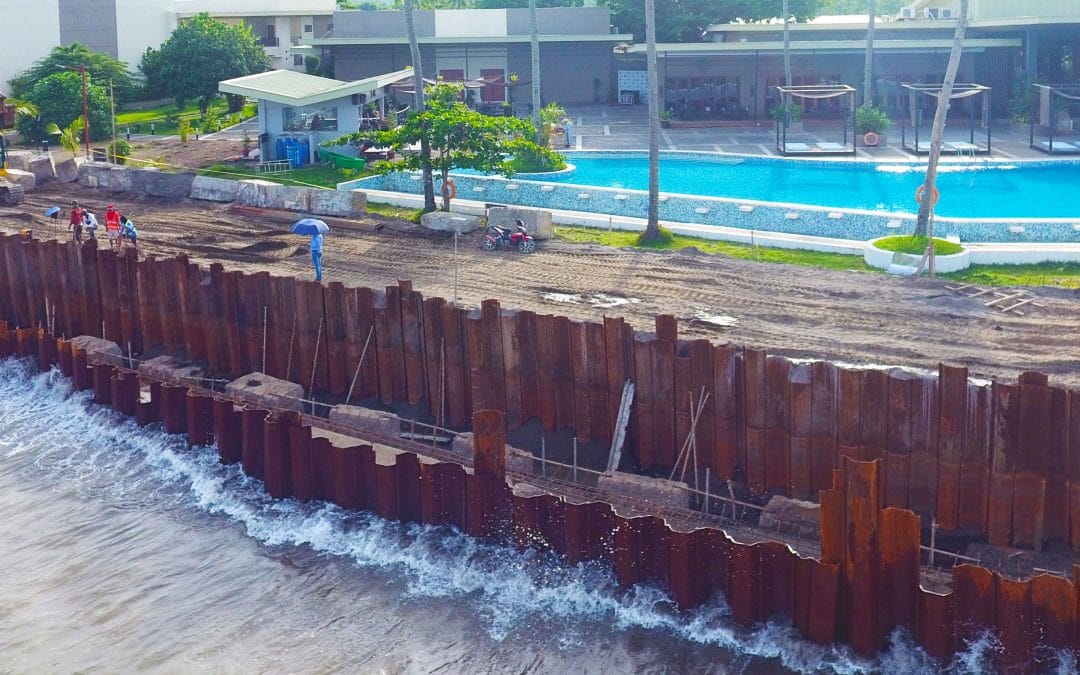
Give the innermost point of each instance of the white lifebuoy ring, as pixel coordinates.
(870, 139)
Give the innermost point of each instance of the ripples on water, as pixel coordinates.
(125, 550)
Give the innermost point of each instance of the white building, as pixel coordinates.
(30, 29)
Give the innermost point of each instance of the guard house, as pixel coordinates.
(490, 46)
(302, 110)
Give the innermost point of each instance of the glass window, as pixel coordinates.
(316, 118)
(298, 59)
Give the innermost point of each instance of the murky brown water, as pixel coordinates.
(123, 551)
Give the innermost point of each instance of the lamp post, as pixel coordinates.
(85, 108)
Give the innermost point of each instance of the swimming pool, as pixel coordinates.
(977, 190)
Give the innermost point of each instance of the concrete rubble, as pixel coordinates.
(383, 423)
(440, 221)
(97, 349)
(209, 189)
(537, 221)
(170, 368)
(264, 390)
(23, 178)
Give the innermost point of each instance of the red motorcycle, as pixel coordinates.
(498, 238)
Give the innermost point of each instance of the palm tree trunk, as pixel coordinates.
(926, 206)
(534, 48)
(868, 67)
(652, 228)
(418, 103)
(787, 46)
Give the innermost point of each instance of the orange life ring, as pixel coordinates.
(934, 195)
(870, 139)
(451, 189)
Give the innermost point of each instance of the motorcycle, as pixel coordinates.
(498, 238)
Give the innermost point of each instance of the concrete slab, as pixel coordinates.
(23, 178)
(42, 167)
(67, 170)
(537, 221)
(171, 368)
(341, 203)
(19, 159)
(657, 490)
(267, 391)
(100, 350)
(365, 419)
(211, 189)
(285, 197)
(166, 184)
(247, 191)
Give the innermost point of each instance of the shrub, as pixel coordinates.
(916, 245)
(184, 129)
(869, 118)
(794, 112)
(119, 151)
(531, 158)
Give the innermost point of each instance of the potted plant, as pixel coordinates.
(872, 123)
(793, 116)
(665, 118)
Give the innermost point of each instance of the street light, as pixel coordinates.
(85, 109)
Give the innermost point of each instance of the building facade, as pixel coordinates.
(492, 45)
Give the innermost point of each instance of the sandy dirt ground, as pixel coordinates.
(849, 317)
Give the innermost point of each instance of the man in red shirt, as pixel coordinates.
(112, 226)
(76, 223)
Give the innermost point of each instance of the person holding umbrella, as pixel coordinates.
(315, 229)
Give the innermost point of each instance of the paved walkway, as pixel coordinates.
(597, 127)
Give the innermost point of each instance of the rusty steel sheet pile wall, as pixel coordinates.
(866, 582)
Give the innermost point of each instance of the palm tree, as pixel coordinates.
(71, 137)
(787, 46)
(926, 206)
(534, 48)
(868, 67)
(418, 103)
(652, 227)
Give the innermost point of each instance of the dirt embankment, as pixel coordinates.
(804, 312)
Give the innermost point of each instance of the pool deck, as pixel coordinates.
(602, 127)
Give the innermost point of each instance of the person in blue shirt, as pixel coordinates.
(128, 231)
(316, 254)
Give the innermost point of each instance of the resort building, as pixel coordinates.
(733, 73)
(490, 46)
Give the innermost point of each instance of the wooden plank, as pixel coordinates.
(412, 342)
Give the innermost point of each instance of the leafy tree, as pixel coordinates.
(418, 100)
(99, 66)
(311, 64)
(59, 101)
(150, 66)
(521, 4)
(652, 222)
(204, 51)
(459, 137)
(859, 6)
(685, 20)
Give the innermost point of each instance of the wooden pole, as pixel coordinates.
(292, 338)
(359, 363)
(314, 363)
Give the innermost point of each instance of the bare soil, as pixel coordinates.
(849, 317)
(193, 154)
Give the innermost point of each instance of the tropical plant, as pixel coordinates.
(665, 115)
(202, 52)
(652, 223)
(58, 99)
(869, 118)
(529, 157)
(184, 130)
(794, 113)
(926, 206)
(1022, 99)
(119, 151)
(70, 137)
(550, 116)
(684, 20)
(312, 64)
(458, 136)
(100, 67)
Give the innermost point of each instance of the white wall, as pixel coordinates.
(29, 30)
(256, 7)
(465, 23)
(141, 24)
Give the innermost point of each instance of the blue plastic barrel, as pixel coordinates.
(279, 149)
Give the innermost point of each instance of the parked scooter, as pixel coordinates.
(498, 238)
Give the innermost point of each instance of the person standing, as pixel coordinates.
(112, 226)
(76, 222)
(569, 131)
(316, 254)
(91, 224)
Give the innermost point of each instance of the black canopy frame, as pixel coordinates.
(813, 92)
(959, 91)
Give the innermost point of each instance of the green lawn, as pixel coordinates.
(139, 120)
(1064, 275)
(834, 261)
(310, 176)
(916, 245)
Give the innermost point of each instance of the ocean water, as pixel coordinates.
(124, 551)
(976, 189)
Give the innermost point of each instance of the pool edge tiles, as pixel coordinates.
(744, 214)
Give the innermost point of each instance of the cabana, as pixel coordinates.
(916, 143)
(1051, 115)
(815, 92)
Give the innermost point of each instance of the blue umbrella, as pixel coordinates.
(310, 227)
(53, 210)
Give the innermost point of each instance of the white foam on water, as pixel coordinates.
(515, 593)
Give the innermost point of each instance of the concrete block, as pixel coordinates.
(42, 167)
(248, 192)
(23, 178)
(171, 369)
(263, 390)
(19, 159)
(285, 197)
(67, 170)
(341, 203)
(211, 189)
(167, 184)
(440, 221)
(119, 179)
(95, 174)
(791, 515)
(537, 221)
(100, 350)
(659, 491)
(374, 421)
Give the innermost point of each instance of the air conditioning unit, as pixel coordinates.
(946, 13)
(907, 12)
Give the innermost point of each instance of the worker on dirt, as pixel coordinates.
(316, 254)
(76, 222)
(112, 226)
(128, 231)
(91, 224)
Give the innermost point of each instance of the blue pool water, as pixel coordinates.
(979, 190)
